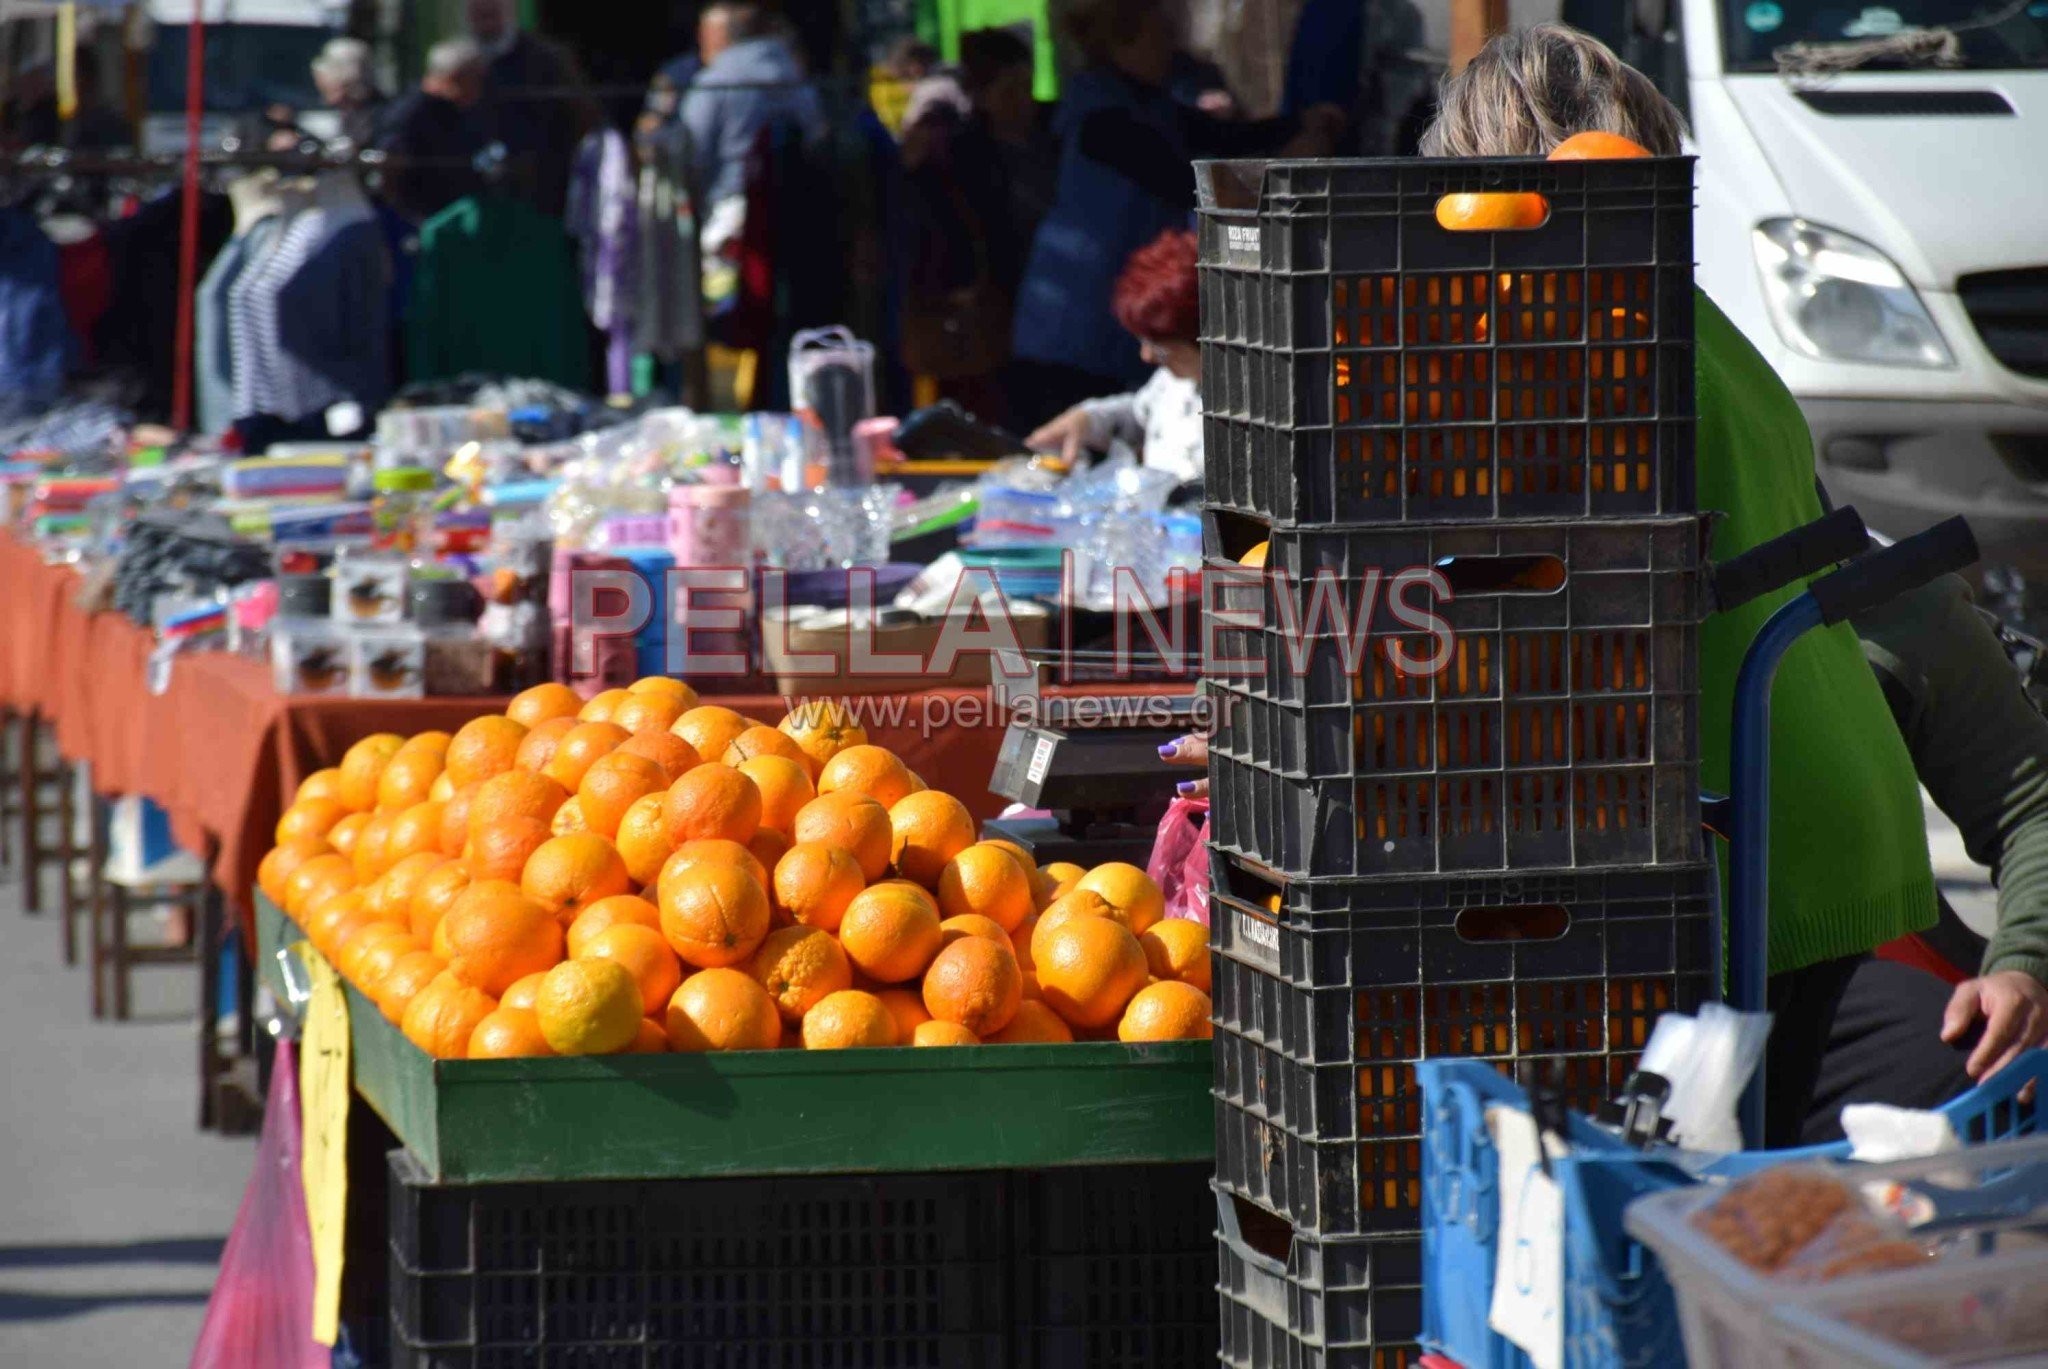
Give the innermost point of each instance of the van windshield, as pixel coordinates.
(248, 66)
(1756, 29)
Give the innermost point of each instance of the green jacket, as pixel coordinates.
(1849, 865)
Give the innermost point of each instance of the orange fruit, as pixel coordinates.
(1491, 211)
(589, 1007)
(508, 1034)
(409, 778)
(390, 897)
(941, 1033)
(321, 784)
(1256, 557)
(1081, 903)
(722, 1010)
(537, 747)
(525, 992)
(599, 709)
(610, 786)
(986, 879)
(501, 850)
(443, 1016)
(907, 1007)
(973, 924)
(433, 895)
(1088, 969)
(1056, 879)
(927, 830)
(342, 836)
(712, 801)
(642, 839)
(1129, 890)
(974, 983)
(414, 830)
(368, 852)
(279, 862)
(412, 973)
(891, 932)
(315, 880)
(713, 915)
(568, 874)
(484, 747)
(543, 703)
(581, 747)
(646, 712)
(435, 741)
(675, 756)
(710, 728)
(798, 966)
(714, 851)
(309, 820)
(665, 686)
(514, 794)
(1020, 942)
(376, 963)
(650, 1039)
(864, 769)
(646, 956)
(784, 784)
(762, 740)
(455, 820)
(1595, 145)
(361, 939)
(814, 883)
(362, 765)
(1166, 1011)
(848, 1018)
(768, 847)
(568, 819)
(1018, 853)
(823, 728)
(1177, 948)
(620, 910)
(496, 936)
(331, 924)
(854, 823)
(1034, 1023)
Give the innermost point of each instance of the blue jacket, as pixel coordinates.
(751, 86)
(1098, 218)
(36, 345)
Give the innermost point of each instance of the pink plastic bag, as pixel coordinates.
(261, 1312)
(1180, 859)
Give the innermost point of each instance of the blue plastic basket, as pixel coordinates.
(1618, 1308)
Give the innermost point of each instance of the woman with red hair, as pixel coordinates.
(1157, 303)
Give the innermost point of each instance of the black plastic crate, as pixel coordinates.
(1324, 1002)
(1116, 1267)
(1292, 1300)
(1361, 363)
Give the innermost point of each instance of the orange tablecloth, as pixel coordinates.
(222, 752)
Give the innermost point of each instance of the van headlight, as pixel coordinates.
(1837, 298)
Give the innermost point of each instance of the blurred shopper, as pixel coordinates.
(1157, 303)
(751, 81)
(534, 102)
(436, 125)
(343, 74)
(1124, 178)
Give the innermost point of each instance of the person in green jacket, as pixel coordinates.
(1849, 859)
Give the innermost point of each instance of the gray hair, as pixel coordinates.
(454, 56)
(346, 62)
(1527, 92)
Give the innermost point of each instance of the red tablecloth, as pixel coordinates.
(222, 752)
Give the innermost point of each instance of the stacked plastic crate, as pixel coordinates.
(1455, 760)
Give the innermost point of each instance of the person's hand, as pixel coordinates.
(1066, 435)
(1320, 129)
(2014, 1008)
(1192, 749)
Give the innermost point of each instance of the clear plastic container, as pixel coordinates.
(402, 510)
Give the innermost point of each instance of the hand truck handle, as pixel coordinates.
(1888, 572)
(1789, 557)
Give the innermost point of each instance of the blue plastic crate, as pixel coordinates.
(1618, 1308)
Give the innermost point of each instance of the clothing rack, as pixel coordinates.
(43, 162)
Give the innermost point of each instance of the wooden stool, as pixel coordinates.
(179, 880)
(41, 788)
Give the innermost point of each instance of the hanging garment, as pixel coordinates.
(138, 332)
(603, 218)
(494, 291)
(668, 310)
(213, 340)
(85, 278)
(35, 337)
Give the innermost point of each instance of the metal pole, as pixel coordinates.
(188, 240)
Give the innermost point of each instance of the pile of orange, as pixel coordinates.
(642, 873)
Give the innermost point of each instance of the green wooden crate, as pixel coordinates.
(774, 1112)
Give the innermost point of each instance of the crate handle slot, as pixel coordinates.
(1474, 576)
(1493, 211)
(1513, 922)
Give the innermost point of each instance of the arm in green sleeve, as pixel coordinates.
(1980, 747)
